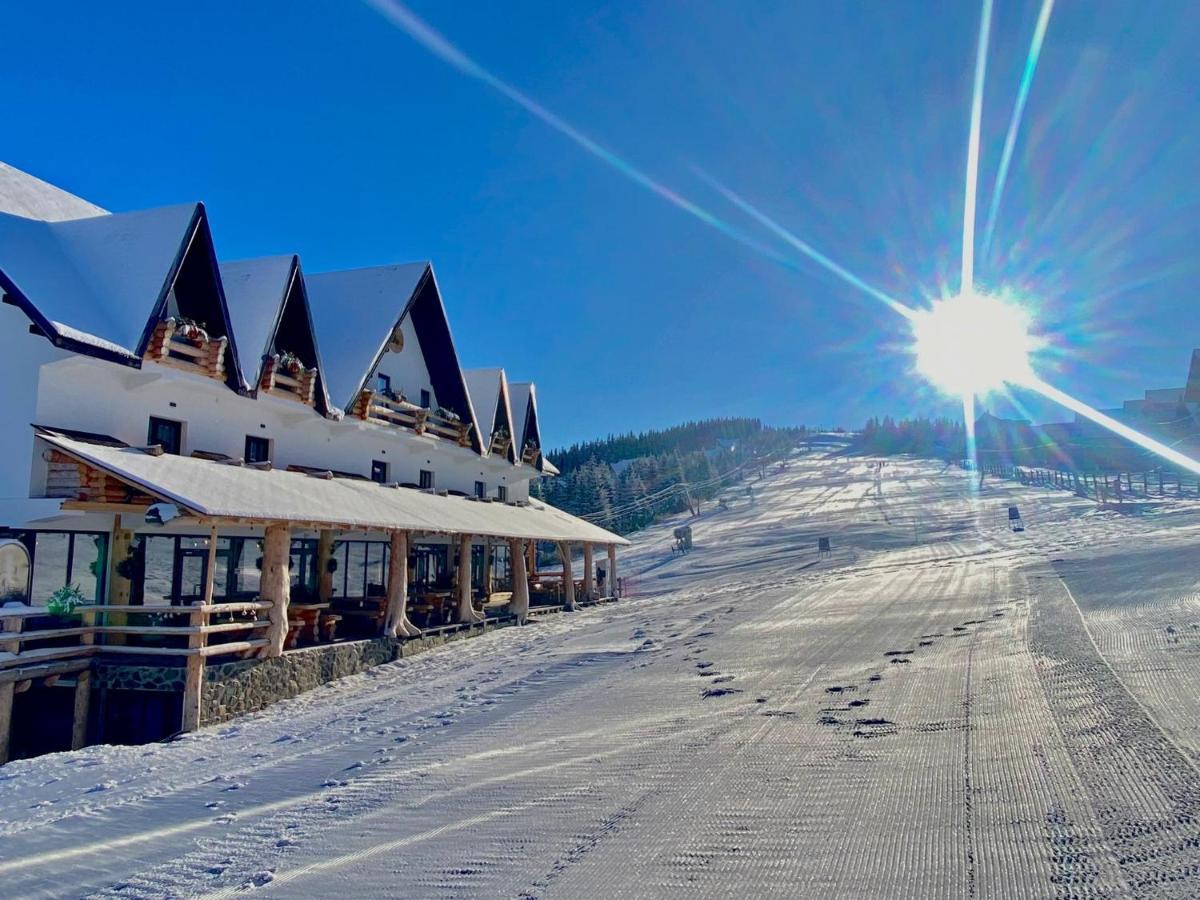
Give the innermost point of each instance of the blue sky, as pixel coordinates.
(322, 129)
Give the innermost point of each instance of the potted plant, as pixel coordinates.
(290, 363)
(448, 414)
(63, 603)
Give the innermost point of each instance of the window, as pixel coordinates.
(379, 471)
(425, 398)
(426, 479)
(166, 433)
(480, 489)
(383, 384)
(65, 557)
(258, 449)
(502, 493)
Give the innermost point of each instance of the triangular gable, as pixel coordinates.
(99, 285)
(524, 401)
(268, 306)
(491, 404)
(356, 314)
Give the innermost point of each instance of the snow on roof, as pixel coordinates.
(483, 386)
(100, 276)
(354, 312)
(212, 489)
(254, 292)
(21, 194)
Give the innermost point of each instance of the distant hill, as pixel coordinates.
(626, 482)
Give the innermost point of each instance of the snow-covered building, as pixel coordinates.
(243, 440)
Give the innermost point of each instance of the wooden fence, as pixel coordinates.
(67, 647)
(1101, 486)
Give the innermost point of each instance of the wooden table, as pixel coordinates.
(310, 614)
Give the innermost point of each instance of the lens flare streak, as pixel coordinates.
(807, 249)
(1145, 442)
(968, 241)
(1014, 126)
(416, 28)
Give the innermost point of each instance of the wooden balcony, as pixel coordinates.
(187, 347)
(374, 407)
(500, 443)
(530, 454)
(293, 382)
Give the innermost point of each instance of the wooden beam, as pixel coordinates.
(325, 542)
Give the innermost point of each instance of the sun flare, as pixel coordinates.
(973, 343)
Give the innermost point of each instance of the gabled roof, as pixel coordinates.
(21, 194)
(95, 284)
(255, 290)
(491, 406)
(356, 311)
(524, 404)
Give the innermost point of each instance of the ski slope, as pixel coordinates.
(938, 708)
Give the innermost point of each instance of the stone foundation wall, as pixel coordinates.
(139, 678)
(235, 688)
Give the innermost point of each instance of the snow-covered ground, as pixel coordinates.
(939, 708)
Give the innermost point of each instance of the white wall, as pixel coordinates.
(407, 368)
(21, 356)
(90, 395)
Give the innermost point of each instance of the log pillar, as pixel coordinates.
(325, 544)
(117, 587)
(611, 576)
(397, 623)
(275, 585)
(520, 581)
(589, 573)
(465, 613)
(568, 580)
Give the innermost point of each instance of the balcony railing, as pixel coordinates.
(284, 378)
(501, 441)
(375, 407)
(184, 345)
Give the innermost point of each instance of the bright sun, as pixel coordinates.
(973, 343)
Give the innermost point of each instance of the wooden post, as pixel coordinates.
(118, 588)
(520, 580)
(465, 614)
(612, 570)
(274, 584)
(7, 690)
(568, 580)
(397, 622)
(324, 576)
(531, 557)
(193, 685)
(487, 569)
(589, 573)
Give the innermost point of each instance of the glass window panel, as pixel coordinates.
(244, 556)
(356, 569)
(160, 560)
(375, 583)
(49, 564)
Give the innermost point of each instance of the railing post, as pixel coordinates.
(8, 689)
(193, 685)
(83, 696)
